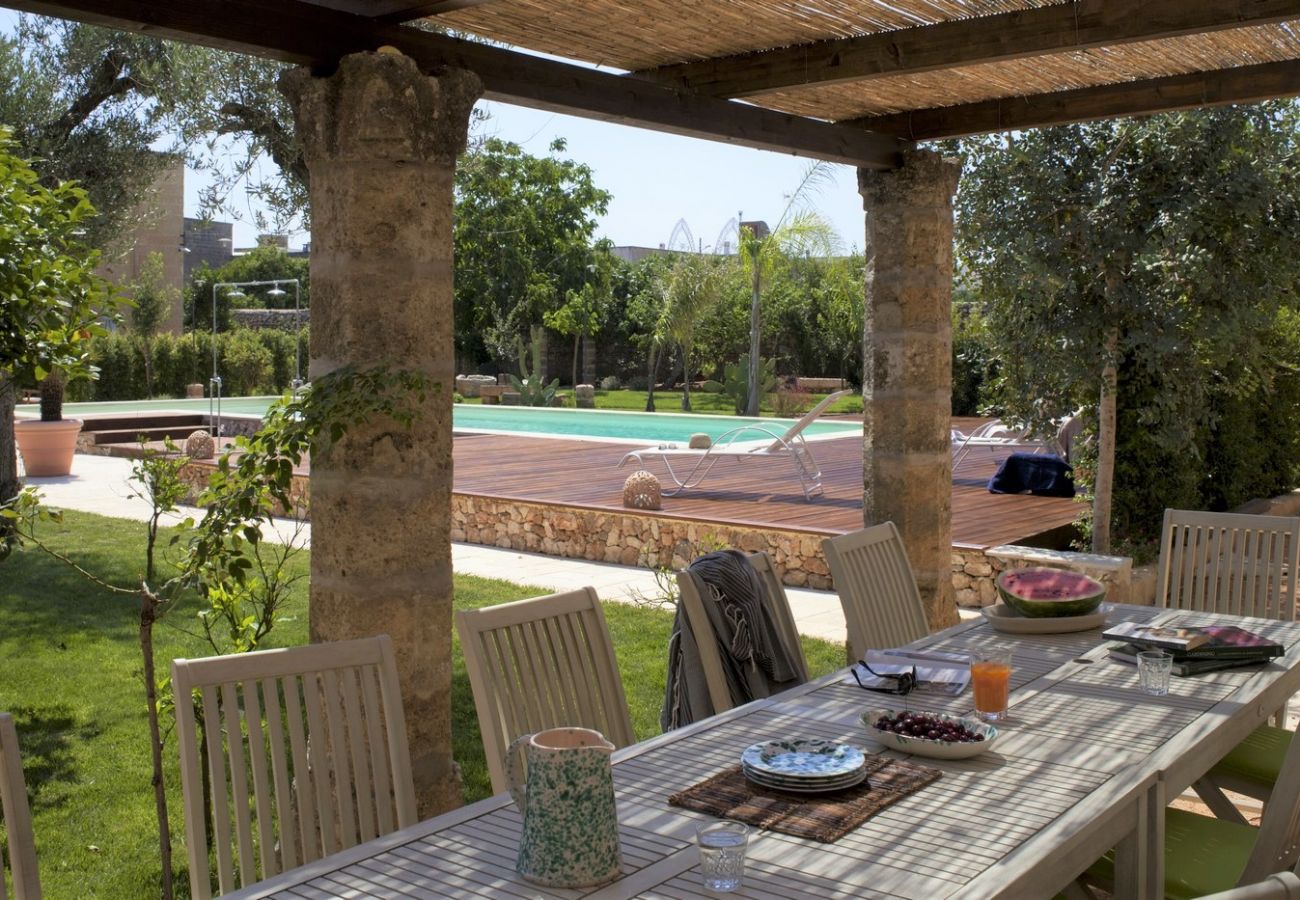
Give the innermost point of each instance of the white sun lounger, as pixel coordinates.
(743, 443)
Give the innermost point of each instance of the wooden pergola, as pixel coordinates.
(849, 81)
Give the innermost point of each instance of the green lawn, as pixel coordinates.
(70, 674)
(701, 402)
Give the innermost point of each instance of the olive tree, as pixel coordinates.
(1142, 255)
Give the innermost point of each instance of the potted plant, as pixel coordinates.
(47, 444)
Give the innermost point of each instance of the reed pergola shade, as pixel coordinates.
(850, 82)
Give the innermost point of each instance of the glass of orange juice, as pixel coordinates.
(990, 678)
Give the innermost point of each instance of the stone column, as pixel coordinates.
(907, 352)
(381, 141)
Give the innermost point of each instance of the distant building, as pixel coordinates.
(206, 242)
(160, 215)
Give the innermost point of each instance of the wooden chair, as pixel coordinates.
(1244, 565)
(540, 663)
(1229, 563)
(307, 755)
(882, 606)
(18, 817)
(1204, 855)
(711, 657)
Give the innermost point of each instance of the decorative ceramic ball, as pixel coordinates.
(700, 441)
(199, 445)
(642, 491)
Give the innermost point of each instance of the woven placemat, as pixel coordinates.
(822, 817)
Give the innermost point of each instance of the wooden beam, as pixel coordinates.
(1245, 84)
(305, 34)
(397, 11)
(1032, 32)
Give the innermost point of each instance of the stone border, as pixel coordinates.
(629, 538)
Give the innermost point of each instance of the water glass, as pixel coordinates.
(1154, 668)
(990, 678)
(722, 855)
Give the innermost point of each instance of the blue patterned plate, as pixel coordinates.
(809, 760)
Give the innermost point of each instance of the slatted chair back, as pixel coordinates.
(882, 606)
(18, 817)
(1278, 846)
(545, 662)
(1232, 563)
(307, 755)
(715, 677)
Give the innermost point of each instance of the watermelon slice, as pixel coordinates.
(1042, 593)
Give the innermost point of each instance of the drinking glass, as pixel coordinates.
(722, 855)
(990, 678)
(1154, 668)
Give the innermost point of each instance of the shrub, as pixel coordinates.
(610, 383)
(790, 402)
(248, 364)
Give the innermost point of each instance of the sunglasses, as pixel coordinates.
(901, 683)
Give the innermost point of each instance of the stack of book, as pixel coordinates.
(1196, 649)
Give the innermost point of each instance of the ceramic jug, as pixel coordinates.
(570, 836)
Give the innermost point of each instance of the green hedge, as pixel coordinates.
(249, 362)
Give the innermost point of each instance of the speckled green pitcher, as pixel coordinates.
(570, 834)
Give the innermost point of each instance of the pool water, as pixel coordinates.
(598, 424)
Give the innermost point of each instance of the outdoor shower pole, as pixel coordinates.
(297, 335)
(214, 386)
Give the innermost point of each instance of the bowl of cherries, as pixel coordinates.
(936, 735)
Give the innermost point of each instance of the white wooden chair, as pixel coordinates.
(1233, 563)
(711, 657)
(540, 663)
(18, 817)
(1229, 563)
(882, 606)
(307, 755)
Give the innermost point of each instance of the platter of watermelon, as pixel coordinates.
(1004, 618)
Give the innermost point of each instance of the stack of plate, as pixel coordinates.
(804, 766)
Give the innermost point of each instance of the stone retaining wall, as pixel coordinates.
(628, 538)
(641, 539)
(282, 319)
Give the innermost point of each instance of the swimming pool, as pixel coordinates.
(584, 423)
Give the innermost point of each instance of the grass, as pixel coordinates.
(701, 402)
(70, 674)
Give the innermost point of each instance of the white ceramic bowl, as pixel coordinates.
(926, 747)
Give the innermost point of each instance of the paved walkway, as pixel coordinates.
(101, 484)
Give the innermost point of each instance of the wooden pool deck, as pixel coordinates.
(762, 493)
(765, 494)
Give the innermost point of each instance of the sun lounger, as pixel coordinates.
(747, 442)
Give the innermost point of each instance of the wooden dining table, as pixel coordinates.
(1085, 763)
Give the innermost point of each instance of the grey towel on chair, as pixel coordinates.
(754, 657)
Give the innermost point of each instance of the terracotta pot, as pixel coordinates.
(47, 447)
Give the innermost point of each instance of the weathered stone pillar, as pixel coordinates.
(907, 383)
(381, 141)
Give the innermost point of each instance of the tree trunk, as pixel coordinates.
(577, 336)
(1105, 477)
(149, 603)
(686, 378)
(650, 387)
(755, 330)
(9, 483)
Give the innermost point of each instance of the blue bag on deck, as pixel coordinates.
(1044, 476)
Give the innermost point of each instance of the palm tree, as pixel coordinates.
(694, 286)
(801, 231)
